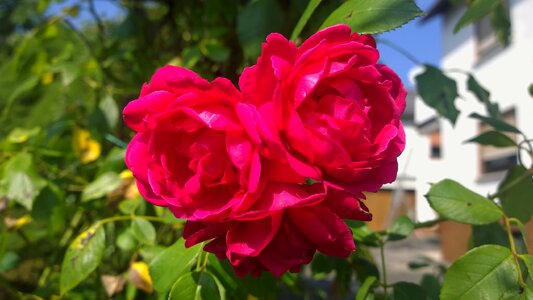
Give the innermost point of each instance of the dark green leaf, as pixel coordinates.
(482, 95)
(82, 258)
(21, 182)
(101, 186)
(486, 272)
(225, 275)
(515, 194)
(257, 20)
(143, 231)
(528, 261)
(477, 10)
(455, 202)
(185, 288)
(400, 229)
(362, 233)
(489, 234)
(8, 261)
(439, 92)
(171, 264)
(493, 138)
(530, 90)
(501, 24)
(431, 285)
(365, 288)
(370, 16)
(208, 287)
(408, 291)
(310, 8)
(495, 123)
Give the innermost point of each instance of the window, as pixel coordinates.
(494, 159)
(435, 144)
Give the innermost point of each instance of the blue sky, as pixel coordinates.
(423, 41)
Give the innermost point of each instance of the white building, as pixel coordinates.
(437, 149)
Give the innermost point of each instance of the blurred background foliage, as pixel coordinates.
(64, 80)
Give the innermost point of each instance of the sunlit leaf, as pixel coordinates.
(455, 202)
(82, 258)
(486, 272)
(101, 186)
(370, 16)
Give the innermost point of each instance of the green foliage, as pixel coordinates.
(477, 10)
(455, 202)
(493, 138)
(408, 291)
(400, 229)
(486, 272)
(496, 123)
(439, 92)
(83, 256)
(171, 263)
(482, 95)
(515, 194)
(368, 16)
(195, 286)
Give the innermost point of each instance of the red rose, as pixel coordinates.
(190, 152)
(284, 240)
(331, 105)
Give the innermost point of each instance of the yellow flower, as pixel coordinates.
(86, 148)
(138, 276)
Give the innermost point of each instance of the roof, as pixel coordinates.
(438, 8)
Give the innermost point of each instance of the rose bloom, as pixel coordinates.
(190, 152)
(284, 240)
(331, 106)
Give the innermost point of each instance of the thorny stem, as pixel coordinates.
(513, 251)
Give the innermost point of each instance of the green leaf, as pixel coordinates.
(486, 272)
(408, 291)
(21, 182)
(195, 286)
(489, 234)
(370, 16)
(309, 9)
(482, 95)
(143, 231)
(21, 135)
(364, 289)
(8, 261)
(128, 206)
(530, 90)
(225, 275)
(476, 11)
(495, 123)
(257, 20)
(82, 258)
(493, 138)
(528, 261)
(101, 186)
(400, 229)
(126, 241)
(185, 288)
(515, 194)
(174, 261)
(455, 202)
(110, 110)
(439, 92)
(216, 51)
(362, 233)
(501, 24)
(431, 285)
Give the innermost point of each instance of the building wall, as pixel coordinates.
(506, 73)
